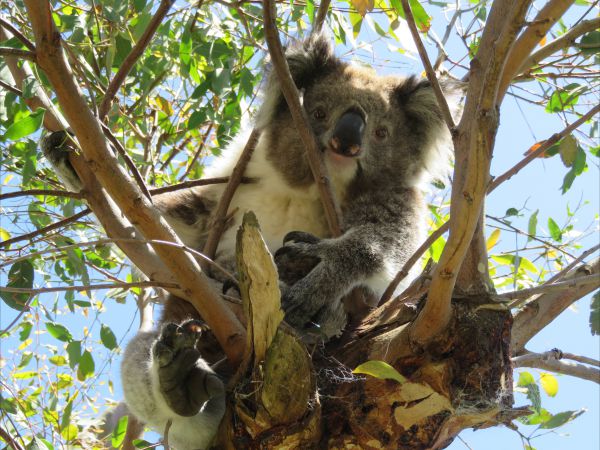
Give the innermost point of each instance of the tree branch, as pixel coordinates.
(89, 287)
(578, 282)
(530, 38)
(218, 219)
(194, 183)
(321, 16)
(538, 313)
(126, 194)
(47, 229)
(290, 92)
(52, 192)
(564, 41)
(133, 56)
(20, 36)
(10, 88)
(435, 84)
(545, 145)
(5, 435)
(552, 362)
(576, 261)
(17, 53)
(474, 142)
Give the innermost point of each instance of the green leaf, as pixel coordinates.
(554, 229)
(525, 379)
(66, 415)
(590, 43)
(25, 358)
(108, 337)
(140, 443)
(381, 370)
(511, 212)
(20, 275)
(532, 226)
(533, 394)
(595, 314)
(118, 434)
(561, 418)
(26, 328)
(86, 366)
(549, 384)
(568, 150)
(74, 352)
(25, 126)
(565, 97)
(58, 360)
(59, 331)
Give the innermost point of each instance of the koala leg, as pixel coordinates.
(166, 379)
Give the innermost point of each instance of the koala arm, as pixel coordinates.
(379, 238)
(162, 372)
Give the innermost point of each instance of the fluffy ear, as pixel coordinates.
(309, 61)
(418, 100)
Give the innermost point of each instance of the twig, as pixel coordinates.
(61, 223)
(290, 93)
(218, 219)
(435, 84)
(17, 53)
(416, 256)
(12, 89)
(576, 261)
(20, 36)
(137, 208)
(6, 437)
(128, 162)
(52, 192)
(563, 41)
(581, 359)
(139, 284)
(201, 147)
(541, 311)
(593, 280)
(551, 361)
(194, 183)
(556, 137)
(132, 57)
(321, 16)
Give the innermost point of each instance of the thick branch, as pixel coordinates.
(538, 313)
(474, 145)
(439, 95)
(218, 219)
(126, 194)
(321, 16)
(560, 275)
(533, 34)
(564, 41)
(133, 56)
(552, 362)
(290, 92)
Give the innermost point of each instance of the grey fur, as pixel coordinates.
(401, 138)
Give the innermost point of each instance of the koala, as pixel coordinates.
(381, 138)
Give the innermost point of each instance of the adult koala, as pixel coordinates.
(380, 137)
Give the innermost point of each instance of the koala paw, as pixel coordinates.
(56, 147)
(298, 256)
(186, 381)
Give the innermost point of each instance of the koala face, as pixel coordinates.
(375, 127)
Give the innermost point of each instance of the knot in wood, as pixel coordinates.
(468, 197)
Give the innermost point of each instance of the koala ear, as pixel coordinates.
(309, 61)
(418, 100)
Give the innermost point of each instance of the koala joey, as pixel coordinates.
(381, 136)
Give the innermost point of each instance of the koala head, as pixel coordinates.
(381, 128)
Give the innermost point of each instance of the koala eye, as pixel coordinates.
(381, 132)
(319, 114)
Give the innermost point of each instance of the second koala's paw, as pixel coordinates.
(298, 256)
(186, 381)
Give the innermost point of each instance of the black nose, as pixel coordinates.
(347, 135)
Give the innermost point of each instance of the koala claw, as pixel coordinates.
(300, 236)
(185, 380)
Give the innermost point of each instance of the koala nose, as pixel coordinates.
(347, 135)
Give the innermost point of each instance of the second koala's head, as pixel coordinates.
(382, 128)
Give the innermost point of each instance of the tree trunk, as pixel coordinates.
(292, 400)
